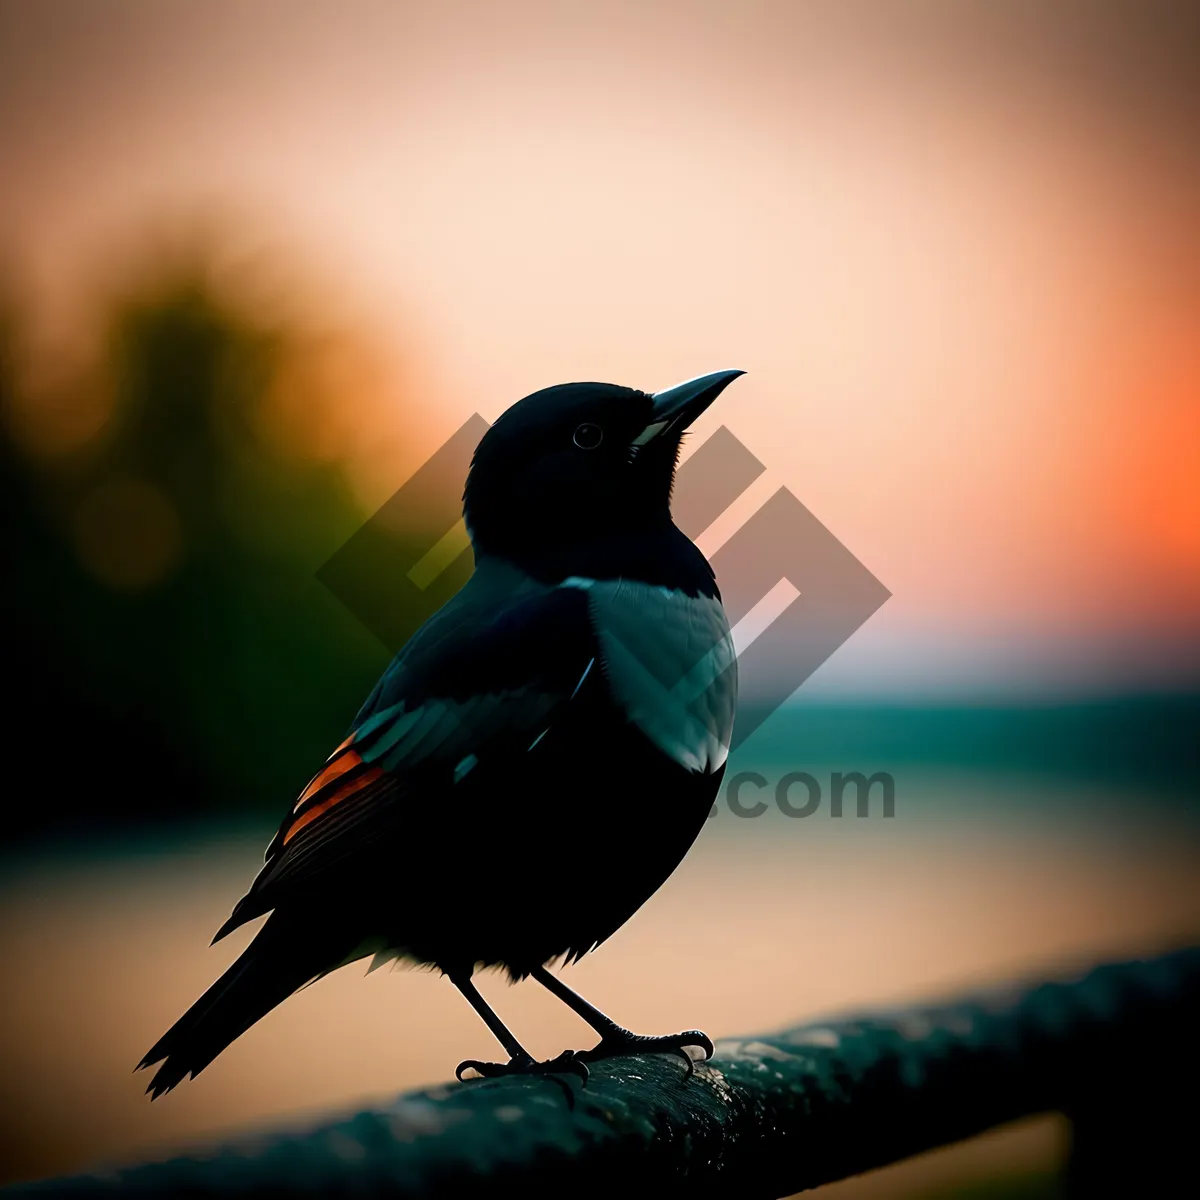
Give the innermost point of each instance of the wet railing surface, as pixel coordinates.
(1115, 1049)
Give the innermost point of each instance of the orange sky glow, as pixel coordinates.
(962, 276)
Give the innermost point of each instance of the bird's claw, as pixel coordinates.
(568, 1062)
(623, 1042)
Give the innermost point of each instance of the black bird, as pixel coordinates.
(538, 758)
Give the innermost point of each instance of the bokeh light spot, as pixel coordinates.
(128, 534)
(54, 413)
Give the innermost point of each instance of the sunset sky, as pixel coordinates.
(954, 251)
(954, 247)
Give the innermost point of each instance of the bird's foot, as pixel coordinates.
(567, 1063)
(621, 1041)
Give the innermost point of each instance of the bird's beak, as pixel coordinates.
(677, 407)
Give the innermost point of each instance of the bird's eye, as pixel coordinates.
(588, 436)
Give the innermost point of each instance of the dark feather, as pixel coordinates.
(283, 957)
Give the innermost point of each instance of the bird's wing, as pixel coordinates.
(486, 675)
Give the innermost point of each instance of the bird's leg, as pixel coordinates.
(614, 1038)
(520, 1061)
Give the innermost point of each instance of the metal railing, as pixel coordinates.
(1115, 1049)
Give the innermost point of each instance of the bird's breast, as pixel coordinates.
(670, 664)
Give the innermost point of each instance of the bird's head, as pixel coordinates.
(580, 464)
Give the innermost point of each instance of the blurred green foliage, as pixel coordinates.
(169, 649)
(172, 654)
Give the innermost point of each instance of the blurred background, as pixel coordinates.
(258, 261)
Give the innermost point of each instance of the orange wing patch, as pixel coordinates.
(344, 775)
(344, 764)
(336, 768)
(355, 785)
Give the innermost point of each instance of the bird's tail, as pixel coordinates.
(270, 969)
